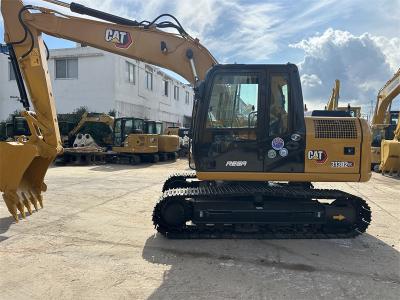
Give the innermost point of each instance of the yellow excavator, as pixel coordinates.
(132, 144)
(385, 125)
(255, 153)
(333, 103)
(168, 144)
(97, 118)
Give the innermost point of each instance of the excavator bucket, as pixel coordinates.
(390, 157)
(22, 172)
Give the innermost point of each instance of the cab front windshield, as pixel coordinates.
(234, 100)
(159, 128)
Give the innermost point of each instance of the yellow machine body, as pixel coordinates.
(390, 157)
(139, 144)
(172, 131)
(168, 143)
(325, 159)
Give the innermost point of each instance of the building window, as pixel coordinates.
(67, 68)
(166, 88)
(187, 98)
(131, 72)
(149, 80)
(176, 93)
(11, 74)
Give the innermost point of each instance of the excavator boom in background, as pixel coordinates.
(385, 150)
(255, 153)
(333, 103)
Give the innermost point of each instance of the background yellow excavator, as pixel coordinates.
(92, 118)
(385, 150)
(168, 144)
(333, 103)
(255, 153)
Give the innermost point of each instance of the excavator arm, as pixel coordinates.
(389, 150)
(385, 97)
(397, 131)
(92, 118)
(24, 163)
(334, 99)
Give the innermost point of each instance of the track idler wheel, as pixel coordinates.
(171, 215)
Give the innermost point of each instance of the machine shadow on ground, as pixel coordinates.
(117, 167)
(5, 224)
(215, 262)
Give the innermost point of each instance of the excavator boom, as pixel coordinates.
(24, 163)
(386, 155)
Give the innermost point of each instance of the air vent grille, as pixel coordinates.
(335, 129)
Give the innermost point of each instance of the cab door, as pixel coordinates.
(230, 139)
(284, 130)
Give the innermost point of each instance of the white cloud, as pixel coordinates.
(310, 80)
(232, 29)
(362, 64)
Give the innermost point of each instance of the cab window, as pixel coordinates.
(279, 104)
(159, 128)
(234, 101)
(128, 126)
(150, 127)
(138, 124)
(117, 132)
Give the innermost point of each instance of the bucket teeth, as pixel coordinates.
(28, 206)
(18, 202)
(40, 199)
(11, 200)
(34, 201)
(27, 203)
(21, 209)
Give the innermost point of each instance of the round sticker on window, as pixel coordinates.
(283, 152)
(278, 143)
(271, 153)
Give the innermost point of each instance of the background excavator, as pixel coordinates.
(255, 153)
(104, 121)
(168, 144)
(385, 150)
(333, 103)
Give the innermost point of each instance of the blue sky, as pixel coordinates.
(355, 41)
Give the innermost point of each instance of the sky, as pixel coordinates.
(355, 41)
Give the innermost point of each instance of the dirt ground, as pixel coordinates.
(95, 240)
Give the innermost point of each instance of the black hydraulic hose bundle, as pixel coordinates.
(81, 9)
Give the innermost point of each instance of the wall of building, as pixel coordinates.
(7, 89)
(103, 85)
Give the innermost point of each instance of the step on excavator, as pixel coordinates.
(255, 153)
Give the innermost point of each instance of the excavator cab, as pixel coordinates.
(153, 127)
(249, 118)
(130, 137)
(123, 127)
(17, 128)
(168, 145)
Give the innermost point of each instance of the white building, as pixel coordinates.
(102, 81)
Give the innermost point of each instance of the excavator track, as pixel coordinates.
(179, 210)
(179, 180)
